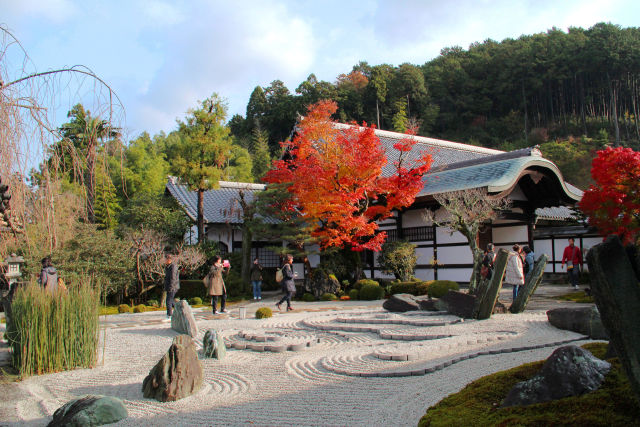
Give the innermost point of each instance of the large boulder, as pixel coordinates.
(213, 345)
(584, 320)
(322, 283)
(426, 303)
(401, 303)
(177, 375)
(182, 320)
(89, 411)
(569, 371)
(458, 303)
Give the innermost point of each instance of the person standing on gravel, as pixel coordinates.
(288, 284)
(48, 276)
(486, 268)
(529, 261)
(215, 285)
(256, 279)
(572, 255)
(171, 280)
(514, 274)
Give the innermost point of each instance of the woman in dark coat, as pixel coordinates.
(288, 284)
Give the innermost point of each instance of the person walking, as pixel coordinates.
(529, 262)
(171, 280)
(215, 285)
(288, 284)
(48, 276)
(514, 274)
(256, 279)
(572, 255)
(486, 268)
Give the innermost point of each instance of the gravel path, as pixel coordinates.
(357, 365)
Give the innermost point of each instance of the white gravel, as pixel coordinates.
(315, 386)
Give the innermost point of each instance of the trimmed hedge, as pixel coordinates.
(439, 288)
(414, 288)
(362, 282)
(263, 313)
(308, 297)
(191, 289)
(140, 308)
(328, 297)
(353, 294)
(371, 292)
(124, 308)
(195, 301)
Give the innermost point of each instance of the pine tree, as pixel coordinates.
(260, 151)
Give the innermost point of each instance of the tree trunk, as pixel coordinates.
(530, 285)
(614, 284)
(201, 236)
(477, 260)
(524, 103)
(614, 110)
(490, 296)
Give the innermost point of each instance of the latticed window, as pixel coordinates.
(418, 234)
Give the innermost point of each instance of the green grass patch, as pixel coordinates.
(579, 296)
(478, 403)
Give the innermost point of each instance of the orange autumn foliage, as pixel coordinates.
(335, 177)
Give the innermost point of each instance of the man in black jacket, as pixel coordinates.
(171, 280)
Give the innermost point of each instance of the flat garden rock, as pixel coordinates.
(458, 303)
(569, 371)
(584, 320)
(177, 375)
(182, 319)
(89, 411)
(399, 303)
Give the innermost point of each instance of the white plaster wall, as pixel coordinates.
(516, 233)
(455, 255)
(461, 275)
(517, 194)
(413, 218)
(444, 236)
(220, 233)
(314, 258)
(424, 273)
(544, 247)
(425, 255)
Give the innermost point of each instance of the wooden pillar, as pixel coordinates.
(399, 226)
(435, 252)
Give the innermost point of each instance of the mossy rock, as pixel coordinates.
(439, 288)
(195, 301)
(371, 292)
(478, 403)
(363, 282)
(328, 297)
(308, 297)
(140, 308)
(263, 313)
(353, 294)
(124, 308)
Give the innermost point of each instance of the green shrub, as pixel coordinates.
(414, 288)
(328, 297)
(195, 301)
(192, 289)
(439, 288)
(345, 284)
(51, 333)
(153, 303)
(263, 313)
(362, 282)
(124, 308)
(398, 258)
(140, 308)
(371, 292)
(308, 297)
(353, 294)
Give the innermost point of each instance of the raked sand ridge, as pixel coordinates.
(353, 366)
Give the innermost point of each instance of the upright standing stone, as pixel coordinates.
(490, 295)
(89, 411)
(213, 345)
(177, 375)
(614, 284)
(530, 285)
(182, 320)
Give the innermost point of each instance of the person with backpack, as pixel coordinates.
(529, 261)
(288, 283)
(171, 280)
(256, 279)
(48, 276)
(572, 255)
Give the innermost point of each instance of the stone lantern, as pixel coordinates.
(13, 264)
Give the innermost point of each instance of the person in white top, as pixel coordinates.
(515, 273)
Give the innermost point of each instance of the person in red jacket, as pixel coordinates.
(573, 257)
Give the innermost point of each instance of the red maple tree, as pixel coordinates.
(335, 177)
(613, 202)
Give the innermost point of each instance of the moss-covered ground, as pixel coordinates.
(478, 404)
(579, 296)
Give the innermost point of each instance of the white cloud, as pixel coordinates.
(56, 11)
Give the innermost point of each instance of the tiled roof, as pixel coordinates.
(220, 205)
(558, 213)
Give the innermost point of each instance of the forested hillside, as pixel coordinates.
(570, 91)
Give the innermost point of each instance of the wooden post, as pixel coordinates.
(530, 285)
(614, 285)
(489, 297)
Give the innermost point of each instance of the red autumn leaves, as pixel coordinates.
(335, 177)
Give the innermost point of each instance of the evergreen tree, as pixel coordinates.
(261, 156)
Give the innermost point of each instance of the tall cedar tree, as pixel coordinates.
(337, 183)
(613, 202)
(203, 150)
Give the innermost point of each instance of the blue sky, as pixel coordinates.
(163, 56)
